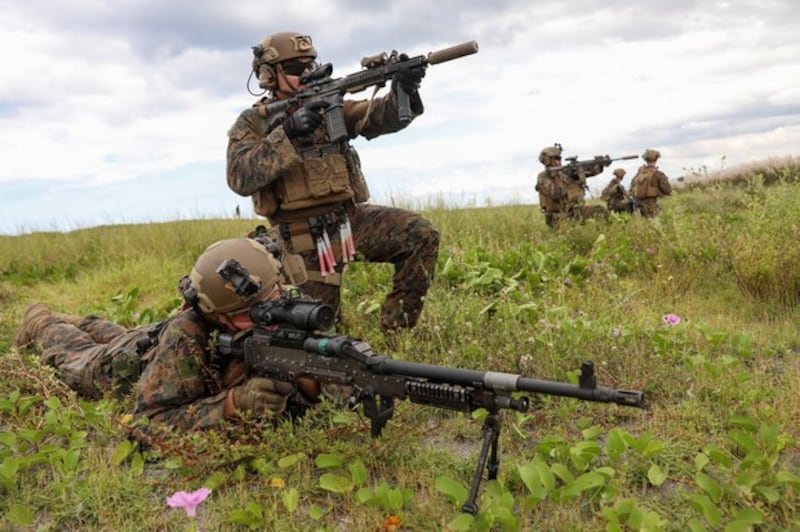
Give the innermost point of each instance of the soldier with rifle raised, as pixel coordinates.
(562, 188)
(291, 152)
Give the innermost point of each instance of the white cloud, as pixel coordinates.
(122, 91)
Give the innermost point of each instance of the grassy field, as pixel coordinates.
(698, 308)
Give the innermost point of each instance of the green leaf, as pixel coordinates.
(562, 472)
(315, 512)
(20, 514)
(592, 433)
(363, 495)
(615, 444)
(745, 422)
(121, 452)
(243, 517)
(9, 439)
(583, 483)
(288, 461)
(261, 466)
(358, 472)
(71, 459)
(709, 485)
(787, 477)
(461, 523)
(9, 467)
(719, 456)
(708, 509)
(452, 488)
(290, 498)
(743, 440)
(335, 483)
(656, 475)
(328, 461)
(137, 466)
(768, 493)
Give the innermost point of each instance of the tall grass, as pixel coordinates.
(715, 448)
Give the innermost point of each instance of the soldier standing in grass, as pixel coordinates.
(649, 184)
(561, 196)
(617, 199)
(179, 377)
(313, 191)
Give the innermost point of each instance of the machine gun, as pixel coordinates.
(574, 168)
(284, 346)
(321, 91)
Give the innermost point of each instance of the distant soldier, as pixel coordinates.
(649, 184)
(561, 194)
(615, 195)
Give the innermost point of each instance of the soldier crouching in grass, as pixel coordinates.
(178, 377)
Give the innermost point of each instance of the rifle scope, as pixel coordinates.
(306, 315)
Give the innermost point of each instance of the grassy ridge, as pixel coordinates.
(715, 447)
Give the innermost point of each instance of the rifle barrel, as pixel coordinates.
(453, 52)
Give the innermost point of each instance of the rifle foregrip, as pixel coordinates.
(453, 52)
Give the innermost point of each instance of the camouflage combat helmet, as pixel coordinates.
(547, 153)
(619, 172)
(651, 155)
(229, 275)
(277, 48)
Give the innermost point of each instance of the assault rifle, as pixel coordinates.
(322, 91)
(283, 346)
(574, 167)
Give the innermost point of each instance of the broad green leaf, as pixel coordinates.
(719, 456)
(243, 517)
(71, 459)
(745, 422)
(562, 472)
(328, 461)
(20, 514)
(461, 523)
(261, 466)
(288, 461)
(768, 493)
(363, 495)
(787, 477)
(9, 467)
(315, 512)
(592, 433)
(584, 482)
(137, 465)
(335, 483)
(709, 485)
(708, 509)
(743, 440)
(696, 526)
(290, 498)
(656, 475)
(9, 439)
(395, 500)
(358, 472)
(121, 452)
(452, 488)
(615, 444)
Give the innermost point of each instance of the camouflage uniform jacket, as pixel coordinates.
(271, 168)
(560, 192)
(183, 383)
(615, 195)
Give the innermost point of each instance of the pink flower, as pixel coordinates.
(671, 320)
(567, 281)
(188, 501)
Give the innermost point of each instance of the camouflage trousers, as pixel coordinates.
(387, 234)
(648, 207)
(88, 352)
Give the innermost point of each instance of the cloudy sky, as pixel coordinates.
(115, 111)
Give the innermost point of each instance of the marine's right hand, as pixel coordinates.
(303, 121)
(260, 394)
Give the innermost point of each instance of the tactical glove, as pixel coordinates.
(259, 394)
(408, 79)
(302, 122)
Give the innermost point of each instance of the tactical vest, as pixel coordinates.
(330, 174)
(645, 184)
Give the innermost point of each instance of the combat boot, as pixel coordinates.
(36, 317)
